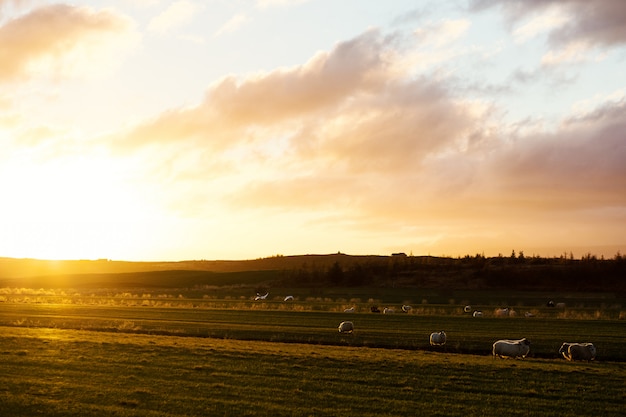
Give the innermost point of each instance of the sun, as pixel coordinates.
(70, 208)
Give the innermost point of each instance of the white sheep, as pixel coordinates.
(346, 327)
(511, 348)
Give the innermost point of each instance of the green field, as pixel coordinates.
(238, 357)
(104, 338)
(399, 331)
(57, 372)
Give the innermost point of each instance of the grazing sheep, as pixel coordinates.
(438, 339)
(350, 310)
(261, 297)
(288, 298)
(467, 309)
(477, 313)
(346, 327)
(406, 308)
(511, 348)
(388, 310)
(578, 351)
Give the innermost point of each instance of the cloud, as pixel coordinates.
(13, 5)
(599, 23)
(578, 165)
(177, 14)
(348, 117)
(442, 33)
(411, 16)
(573, 52)
(353, 135)
(263, 4)
(411, 177)
(61, 40)
(539, 24)
(232, 25)
(236, 104)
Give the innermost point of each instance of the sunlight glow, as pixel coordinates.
(147, 130)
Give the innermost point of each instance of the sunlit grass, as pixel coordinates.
(404, 331)
(69, 372)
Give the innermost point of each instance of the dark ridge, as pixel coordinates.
(334, 270)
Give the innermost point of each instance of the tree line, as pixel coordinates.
(516, 271)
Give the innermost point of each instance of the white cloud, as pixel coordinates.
(443, 33)
(581, 108)
(278, 3)
(572, 53)
(540, 24)
(232, 25)
(176, 15)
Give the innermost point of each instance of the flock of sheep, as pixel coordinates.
(505, 348)
(508, 348)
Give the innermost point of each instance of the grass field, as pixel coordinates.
(134, 355)
(58, 372)
(403, 331)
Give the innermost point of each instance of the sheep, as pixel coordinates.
(578, 351)
(438, 339)
(350, 310)
(511, 348)
(346, 327)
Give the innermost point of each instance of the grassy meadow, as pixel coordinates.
(59, 372)
(130, 342)
(256, 321)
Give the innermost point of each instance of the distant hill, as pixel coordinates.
(38, 273)
(333, 270)
(23, 267)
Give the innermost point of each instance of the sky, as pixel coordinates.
(240, 129)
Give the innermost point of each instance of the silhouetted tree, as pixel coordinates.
(335, 274)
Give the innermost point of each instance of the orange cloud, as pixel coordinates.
(233, 105)
(347, 138)
(49, 39)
